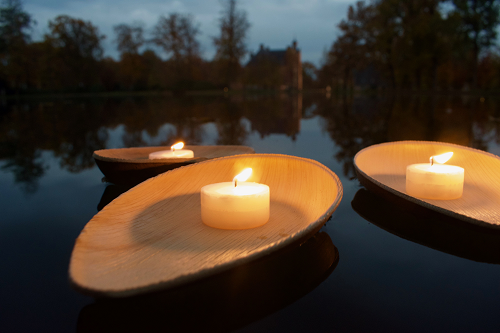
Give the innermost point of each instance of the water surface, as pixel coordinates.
(389, 275)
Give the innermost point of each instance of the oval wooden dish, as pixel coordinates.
(152, 237)
(132, 165)
(382, 169)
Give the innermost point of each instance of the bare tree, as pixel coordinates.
(176, 35)
(129, 37)
(231, 47)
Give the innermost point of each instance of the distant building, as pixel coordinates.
(280, 69)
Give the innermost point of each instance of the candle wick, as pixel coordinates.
(235, 182)
(432, 160)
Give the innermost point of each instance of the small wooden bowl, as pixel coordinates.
(384, 165)
(132, 165)
(152, 237)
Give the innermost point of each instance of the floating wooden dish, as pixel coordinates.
(452, 236)
(222, 303)
(152, 237)
(383, 166)
(132, 165)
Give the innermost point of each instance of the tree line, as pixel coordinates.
(383, 44)
(70, 57)
(417, 45)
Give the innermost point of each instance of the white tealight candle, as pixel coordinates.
(435, 181)
(175, 151)
(235, 205)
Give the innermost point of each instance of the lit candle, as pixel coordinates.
(235, 205)
(435, 181)
(175, 151)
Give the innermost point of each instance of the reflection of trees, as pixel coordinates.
(29, 129)
(149, 115)
(484, 128)
(277, 114)
(354, 124)
(76, 155)
(24, 163)
(18, 149)
(72, 129)
(229, 125)
(357, 123)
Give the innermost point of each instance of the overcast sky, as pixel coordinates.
(275, 23)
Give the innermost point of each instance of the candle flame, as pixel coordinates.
(244, 175)
(443, 158)
(178, 145)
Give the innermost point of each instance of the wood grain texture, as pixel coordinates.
(132, 165)
(385, 166)
(152, 237)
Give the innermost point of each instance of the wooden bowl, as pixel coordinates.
(241, 295)
(152, 237)
(384, 165)
(132, 165)
(452, 236)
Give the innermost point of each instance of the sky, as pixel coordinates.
(274, 23)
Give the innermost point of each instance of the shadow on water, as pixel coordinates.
(224, 302)
(111, 192)
(447, 235)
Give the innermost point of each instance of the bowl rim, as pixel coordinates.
(451, 213)
(97, 154)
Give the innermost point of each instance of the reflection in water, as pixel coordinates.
(224, 302)
(430, 229)
(356, 123)
(229, 125)
(71, 129)
(280, 115)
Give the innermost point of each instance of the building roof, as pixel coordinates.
(277, 56)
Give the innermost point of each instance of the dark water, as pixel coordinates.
(373, 267)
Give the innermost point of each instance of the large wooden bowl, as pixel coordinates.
(132, 165)
(383, 167)
(152, 237)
